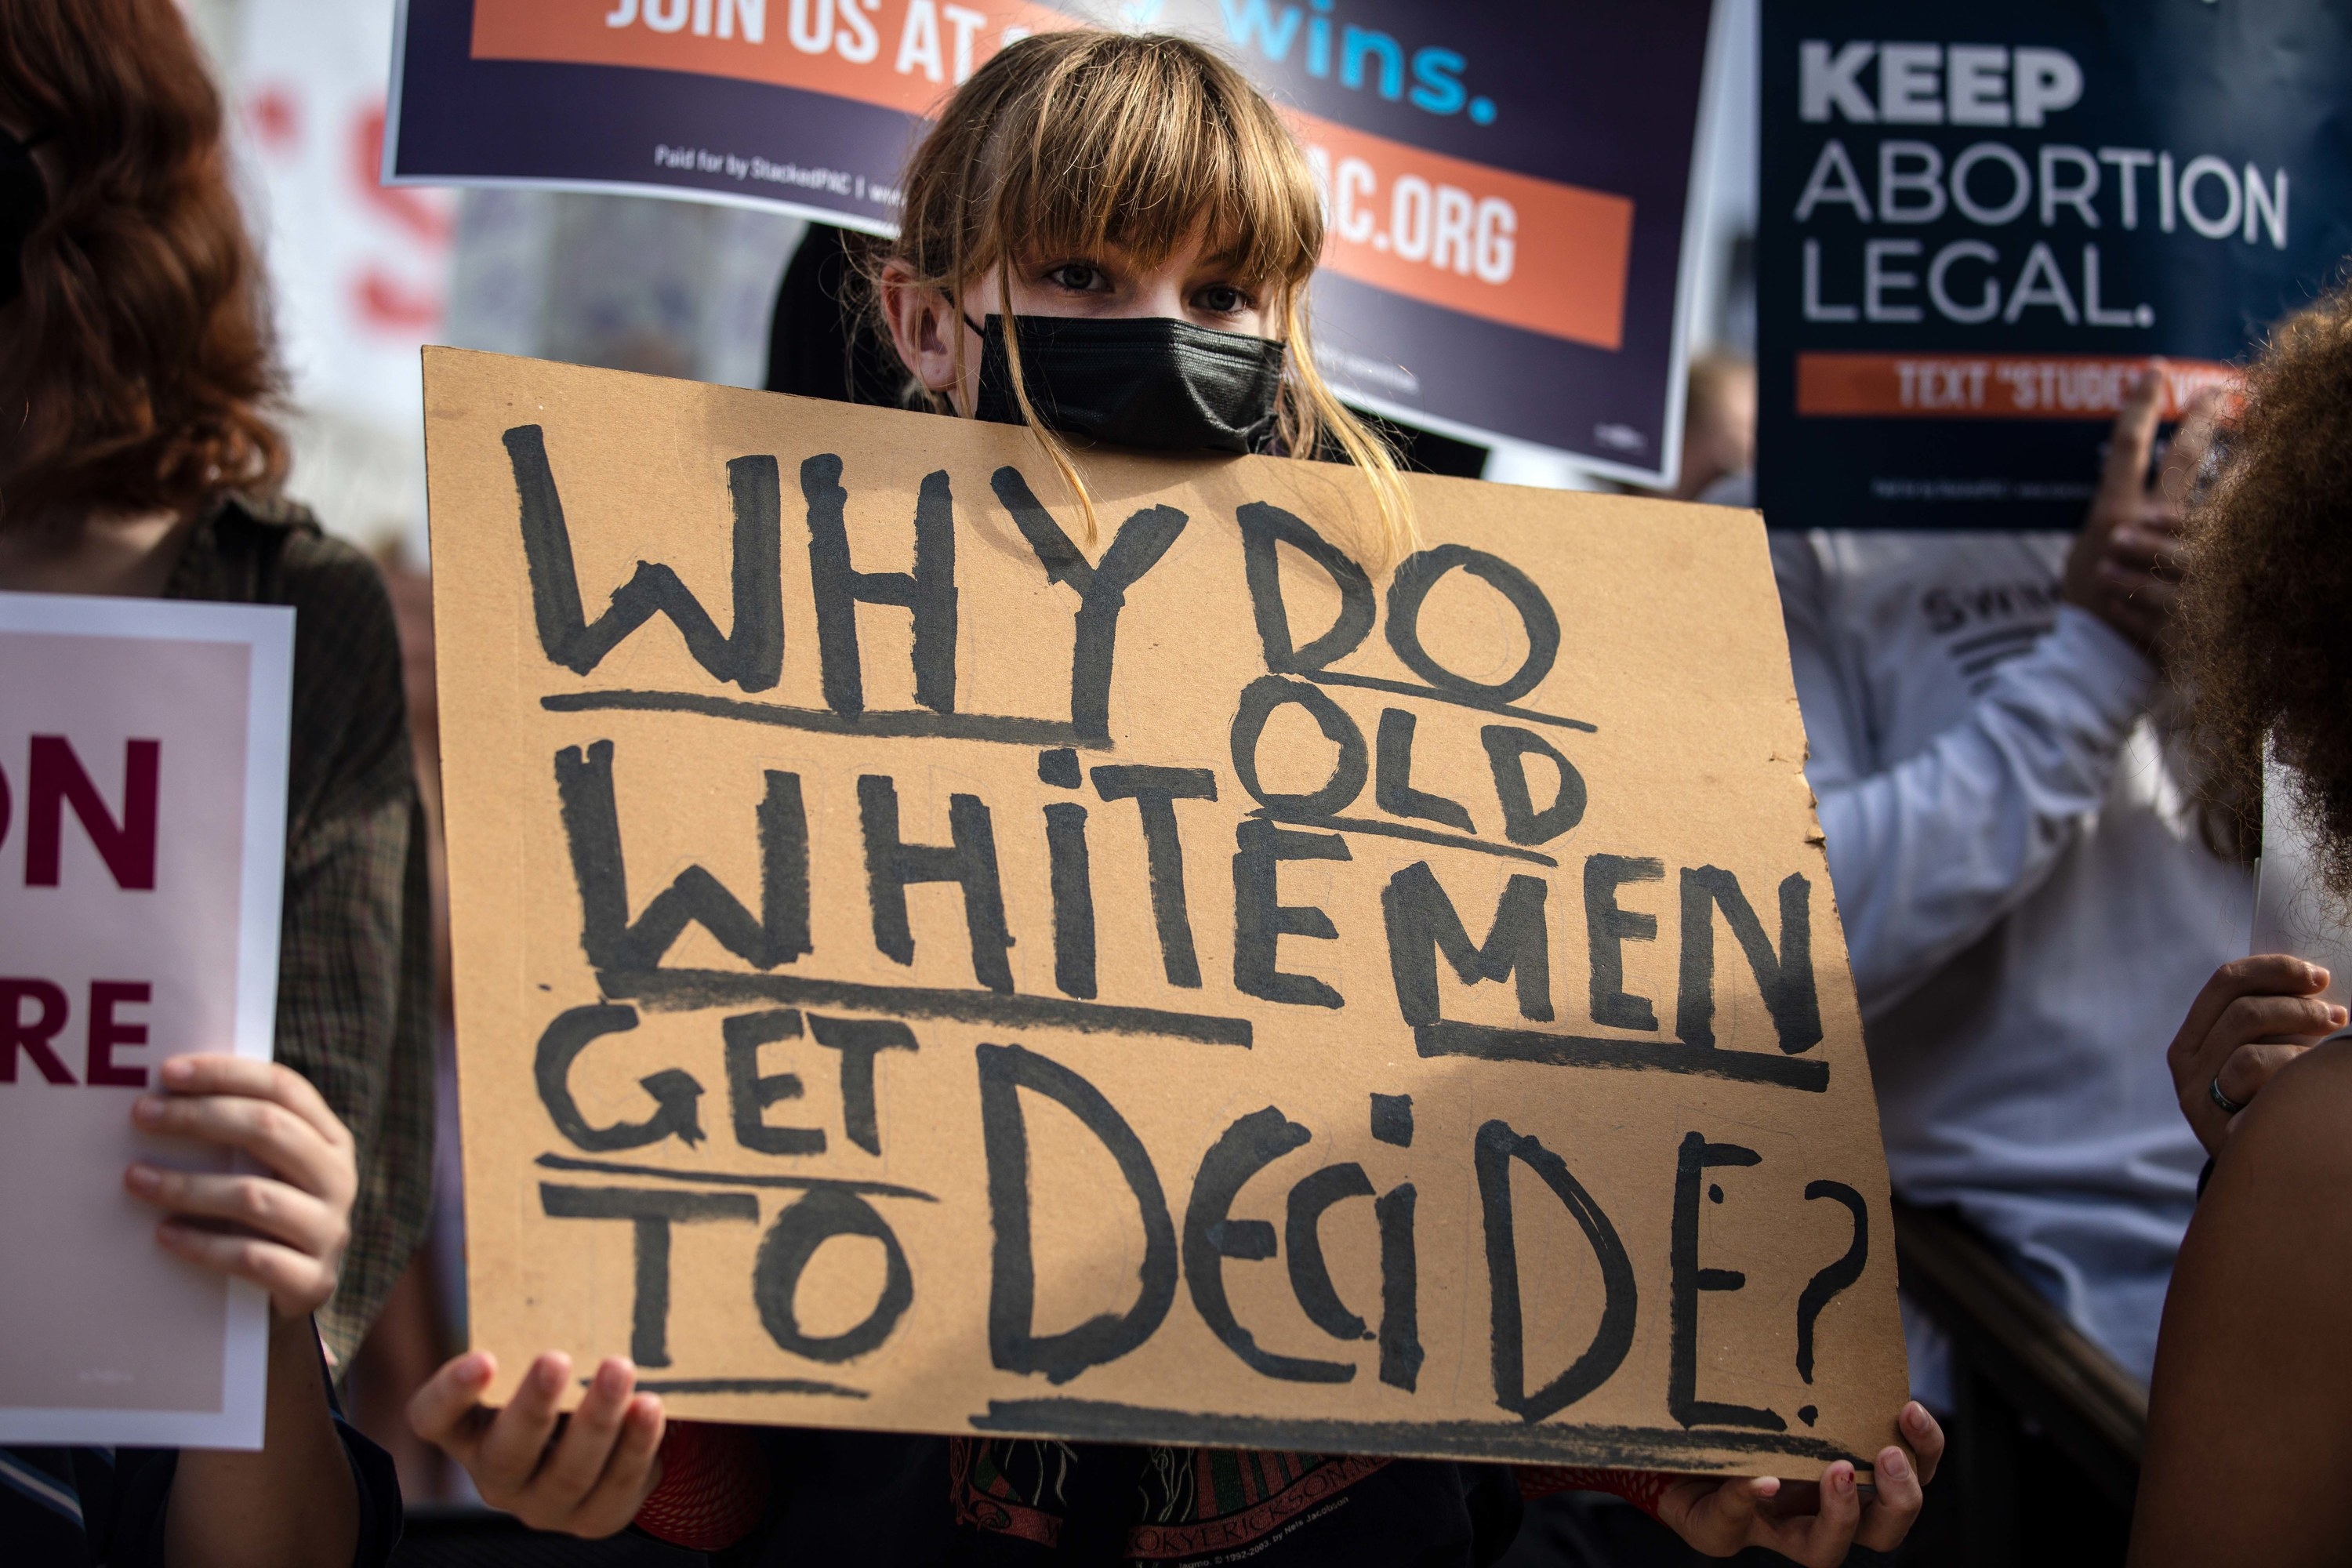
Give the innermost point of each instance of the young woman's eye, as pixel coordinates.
(1078, 276)
(1222, 300)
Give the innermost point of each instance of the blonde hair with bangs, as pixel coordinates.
(1070, 143)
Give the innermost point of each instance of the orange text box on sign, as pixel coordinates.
(1993, 387)
(906, 55)
(1532, 254)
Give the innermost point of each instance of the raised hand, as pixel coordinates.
(584, 1474)
(2254, 1016)
(1813, 1523)
(285, 1231)
(2126, 564)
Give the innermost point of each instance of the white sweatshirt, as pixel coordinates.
(2026, 898)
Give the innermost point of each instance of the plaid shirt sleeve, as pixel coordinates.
(355, 980)
(353, 1018)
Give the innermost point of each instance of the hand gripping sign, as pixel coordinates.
(922, 966)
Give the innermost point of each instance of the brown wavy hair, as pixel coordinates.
(2266, 616)
(142, 356)
(1078, 139)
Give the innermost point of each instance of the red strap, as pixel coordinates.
(1642, 1489)
(714, 1487)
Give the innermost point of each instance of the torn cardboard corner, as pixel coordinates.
(923, 965)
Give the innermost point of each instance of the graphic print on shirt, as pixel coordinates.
(1983, 626)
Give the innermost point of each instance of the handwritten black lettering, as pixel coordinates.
(1074, 898)
(1155, 792)
(806, 1225)
(1410, 588)
(1401, 1351)
(674, 1092)
(753, 655)
(1263, 528)
(1691, 1161)
(1014, 1345)
(1824, 1286)
(859, 1040)
(1260, 697)
(1786, 978)
(1261, 920)
(1508, 749)
(1302, 1242)
(650, 1213)
(1211, 1236)
(591, 826)
(1392, 788)
(1607, 930)
(1497, 1146)
(749, 1094)
(1102, 588)
(1423, 923)
(929, 591)
(968, 861)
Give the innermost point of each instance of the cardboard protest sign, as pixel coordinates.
(142, 829)
(921, 966)
(1507, 188)
(1970, 245)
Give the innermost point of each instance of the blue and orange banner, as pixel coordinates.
(1506, 210)
(1982, 223)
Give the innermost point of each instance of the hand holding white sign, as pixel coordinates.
(285, 1231)
(294, 1501)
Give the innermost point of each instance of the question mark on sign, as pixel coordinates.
(1823, 1287)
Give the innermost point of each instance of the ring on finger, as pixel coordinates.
(2228, 1107)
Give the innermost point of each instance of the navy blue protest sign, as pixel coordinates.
(1981, 223)
(1507, 188)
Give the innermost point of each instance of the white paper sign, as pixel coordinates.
(143, 826)
(2293, 910)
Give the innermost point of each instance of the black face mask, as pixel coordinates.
(23, 197)
(1147, 381)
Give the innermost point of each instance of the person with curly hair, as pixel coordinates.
(138, 460)
(2249, 1418)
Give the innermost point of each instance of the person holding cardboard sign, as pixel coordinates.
(1107, 239)
(141, 464)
